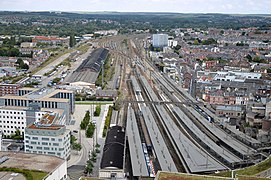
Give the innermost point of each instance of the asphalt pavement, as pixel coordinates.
(79, 159)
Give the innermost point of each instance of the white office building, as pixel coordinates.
(48, 136)
(18, 118)
(159, 40)
(45, 98)
(12, 119)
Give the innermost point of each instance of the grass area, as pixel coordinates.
(28, 174)
(108, 73)
(83, 48)
(84, 178)
(93, 102)
(251, 178)
(182, 176)
(51, 59)
(249, 171)
(107, 120)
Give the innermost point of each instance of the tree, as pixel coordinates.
(90, 130)
(97, 111)
(249, 57)
(72, 40)
(14, 52)
(25, 66)
(83, 125)
(12, 41)
(77, 147)
(19, 61)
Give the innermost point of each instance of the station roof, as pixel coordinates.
(138, 161)
(114, 148)
(90, 68)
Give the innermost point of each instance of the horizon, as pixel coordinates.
(169, 6)
(135, 12)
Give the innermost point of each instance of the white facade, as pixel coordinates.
(160, 40)
(48, 142)
(172, 43)
(231, 75)
(15, 118)
(60, 173)
(49, 136)
(107, 173)
(11, 120)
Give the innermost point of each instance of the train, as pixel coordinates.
(204, 114)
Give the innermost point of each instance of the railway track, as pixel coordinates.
(171, 90)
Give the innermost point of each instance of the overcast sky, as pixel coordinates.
(182, 6)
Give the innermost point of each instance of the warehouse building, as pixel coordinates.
(87, 73)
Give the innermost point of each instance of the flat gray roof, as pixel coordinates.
(41, 162)
(138, 160)
(162, 81)
(223, 136)
(196, 159)
(205, 139)
(135, 84)
(232, 129)
(162, 153)
(87, 76)
(229, 108)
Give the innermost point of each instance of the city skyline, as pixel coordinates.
(179, 6)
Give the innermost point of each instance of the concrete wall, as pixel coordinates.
(60, 173)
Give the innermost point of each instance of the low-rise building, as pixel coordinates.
(229, 111)
(112, 163)
(48, 136)
(51, 40)
(55, 168)
(9, 89)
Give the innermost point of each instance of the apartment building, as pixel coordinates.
(48, 136)
(160, 40)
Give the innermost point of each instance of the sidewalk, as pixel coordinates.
(75, 157)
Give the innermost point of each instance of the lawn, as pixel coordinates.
(93, 102)
(249, 171)
(182, 176)
(28, 174)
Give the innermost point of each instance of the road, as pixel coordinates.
(80, 159)
(51, 66)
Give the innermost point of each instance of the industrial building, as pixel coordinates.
(112, 163)
(48, 136)
(159, 40)
(86, 74)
